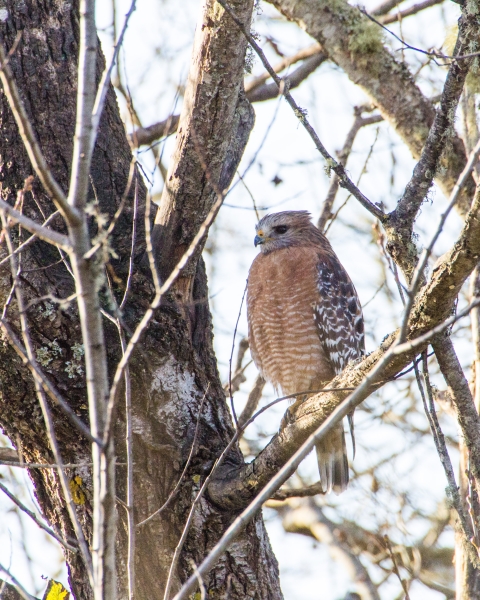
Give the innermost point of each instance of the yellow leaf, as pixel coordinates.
(55, 591)
(196, 478)
(78, 495)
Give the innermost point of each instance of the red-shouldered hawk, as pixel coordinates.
(305, 321)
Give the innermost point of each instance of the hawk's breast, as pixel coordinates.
(281, 296)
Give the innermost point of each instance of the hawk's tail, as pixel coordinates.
(332, 461)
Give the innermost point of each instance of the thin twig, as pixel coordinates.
(84, 131)
(395, 567)
(362, 173)
(105, 81)
(130, 491)
(201, 585)
(287, 61)
(104, 235)
(31, 239)
(132, 248)
(422, 339)
(343, 156)
(441, 447)
(230, 391)
(252, 401)
(36, 520)
(26, 465)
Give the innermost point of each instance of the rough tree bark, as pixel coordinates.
(175, 367)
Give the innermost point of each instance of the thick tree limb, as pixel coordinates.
(353, 43)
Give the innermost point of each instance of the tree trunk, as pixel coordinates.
(174, 372)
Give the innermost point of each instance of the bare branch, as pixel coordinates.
(411, 10)
(44, 233)
(461, 396)
(386, 81)
(129, 507)
(257, 90)
(407, 259)
(343, 155)
(84, 131)
(395, 567)
(286, 493)
(441, 447)
(146, 135)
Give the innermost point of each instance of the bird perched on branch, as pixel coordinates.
(305, 321)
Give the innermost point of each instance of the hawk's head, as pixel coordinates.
(283, 229)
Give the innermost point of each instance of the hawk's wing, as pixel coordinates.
(338, 314)
(339, 320)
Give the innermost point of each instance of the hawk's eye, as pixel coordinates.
(281, 229)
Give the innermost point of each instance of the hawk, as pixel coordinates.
(305, 321)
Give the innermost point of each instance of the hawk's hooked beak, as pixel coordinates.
(259, 238)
